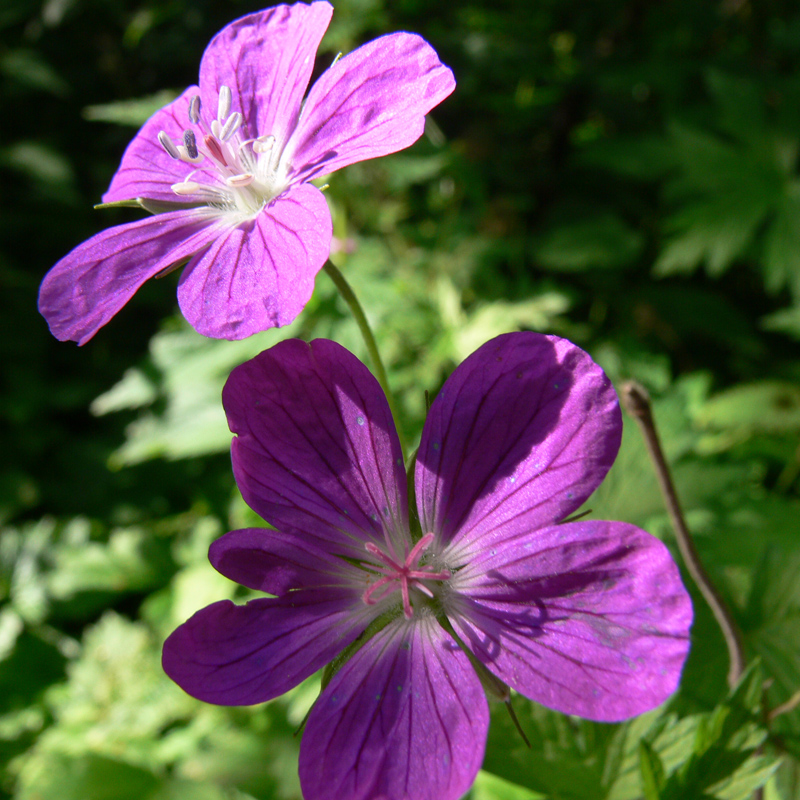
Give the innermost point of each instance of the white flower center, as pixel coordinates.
(233, 174)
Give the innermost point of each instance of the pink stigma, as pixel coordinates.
(404, 575)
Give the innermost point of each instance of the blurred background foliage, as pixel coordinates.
(620, 172)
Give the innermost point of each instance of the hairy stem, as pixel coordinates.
(636, 402)
(348, 295)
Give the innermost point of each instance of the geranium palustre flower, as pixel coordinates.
(413, 605)
(227, 165)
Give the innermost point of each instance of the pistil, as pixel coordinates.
(409, 574)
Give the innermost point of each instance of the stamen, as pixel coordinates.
(231, 125)
(215, 129)
(263, 144)
(185, 187)
(216, 151)
(194, 109)
(210, 193)
(224, 105)
(168, 145)
(190, 143)
(238, 181)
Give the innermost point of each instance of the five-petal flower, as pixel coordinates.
(228, 166)
(587, 617)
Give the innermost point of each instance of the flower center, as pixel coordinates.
(232, 173)
(410, 574)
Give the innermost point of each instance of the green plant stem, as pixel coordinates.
(637, 403)
(348, 295)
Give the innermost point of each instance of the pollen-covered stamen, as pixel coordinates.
(405, 576)
(194, 109)
(190, 143)
(231, 126)
(224, 102)
(239, 181)
(168, 145)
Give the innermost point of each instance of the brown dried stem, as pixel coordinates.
(636, 402)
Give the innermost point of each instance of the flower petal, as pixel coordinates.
(272, 561)
(266, 59)
(317, 452)
(261, 274)
(405, 717)
(84, 290)
(239, 655)
(146, 170)
(587, 618)
(370, 103)
(522, 433)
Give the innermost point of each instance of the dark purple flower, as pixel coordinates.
(228, 166)
(586, 617)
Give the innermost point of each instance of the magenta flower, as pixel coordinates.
(586, 617)
(228, 165)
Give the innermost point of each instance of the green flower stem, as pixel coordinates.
(637, 403)
(369, 340)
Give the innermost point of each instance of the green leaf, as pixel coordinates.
(771, 407)
(489, 787)
(602, 242)
(652, 771)
(726, 191)
(771, 624)
(781, 262)
(97, 777)
(132, 113)
(724, 764)
(189, 372)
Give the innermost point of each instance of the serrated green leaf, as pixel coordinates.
(781, 262)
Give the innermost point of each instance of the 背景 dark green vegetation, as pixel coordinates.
(622, 173)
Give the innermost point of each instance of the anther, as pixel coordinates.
(224, 105)
(230, 126)
(168, 145)
(190, 143)
(194, 109)
(263, 144)
(238, 181)
(185, 187)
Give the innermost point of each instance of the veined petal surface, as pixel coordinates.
(522, 432)
(370, 103)
(316, 452)
(240, 655)
(587, 618)
(84, 290)
(261, 273)
(275, 562)
(266, 59)
(405, 718)
(146, 169)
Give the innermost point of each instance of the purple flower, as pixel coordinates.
(586, 617)
(228, 166)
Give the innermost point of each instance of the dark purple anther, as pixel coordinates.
(190, 143)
